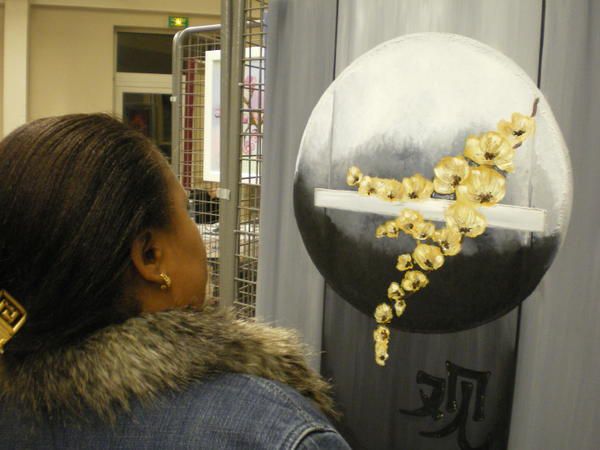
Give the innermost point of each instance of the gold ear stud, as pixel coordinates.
(167, 281)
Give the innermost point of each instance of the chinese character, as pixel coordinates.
(432, 403)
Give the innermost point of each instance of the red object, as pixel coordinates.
(188, 122)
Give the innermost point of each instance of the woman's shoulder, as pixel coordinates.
(245, 411)
(250, 392)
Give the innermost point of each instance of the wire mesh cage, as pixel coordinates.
(195, 128)
(250, 151)
(230, 229)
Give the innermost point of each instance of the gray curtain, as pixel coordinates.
(300, 54)
(557, 392)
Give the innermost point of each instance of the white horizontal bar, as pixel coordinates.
(498, 216)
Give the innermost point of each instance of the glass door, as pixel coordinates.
(143, 101)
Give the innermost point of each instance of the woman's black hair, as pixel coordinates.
(75, 192)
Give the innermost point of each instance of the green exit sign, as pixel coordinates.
(178, 22)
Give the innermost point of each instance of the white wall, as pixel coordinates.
(212, 7)
(72, 59)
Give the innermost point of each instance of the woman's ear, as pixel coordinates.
(147, 256)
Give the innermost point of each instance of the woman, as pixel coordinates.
(119, 348)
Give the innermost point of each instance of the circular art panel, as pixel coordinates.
(396, 111)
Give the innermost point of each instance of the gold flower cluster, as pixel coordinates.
(474, 179)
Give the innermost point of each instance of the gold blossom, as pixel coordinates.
(399, 307)
(484, 187)
(407, 219)
(354, 176)
(414, 280)
(391, 229)
(518, 129)
(465, 219)
(389, 190)
(449, 240)
(423, 230)
(490, 149)
(450, 171)
(428, 257)
(417, 187)
(381, 334)
(381, 352)
(395, 292)
(383, 313)
(388, 229)
(404, 262)
(366, 186)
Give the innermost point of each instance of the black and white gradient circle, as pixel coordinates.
(396, 111)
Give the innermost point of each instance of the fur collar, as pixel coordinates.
(153, 353)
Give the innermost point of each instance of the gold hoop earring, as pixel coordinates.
(167, 281)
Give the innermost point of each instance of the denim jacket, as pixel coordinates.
(170, 380)
(229, 412)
